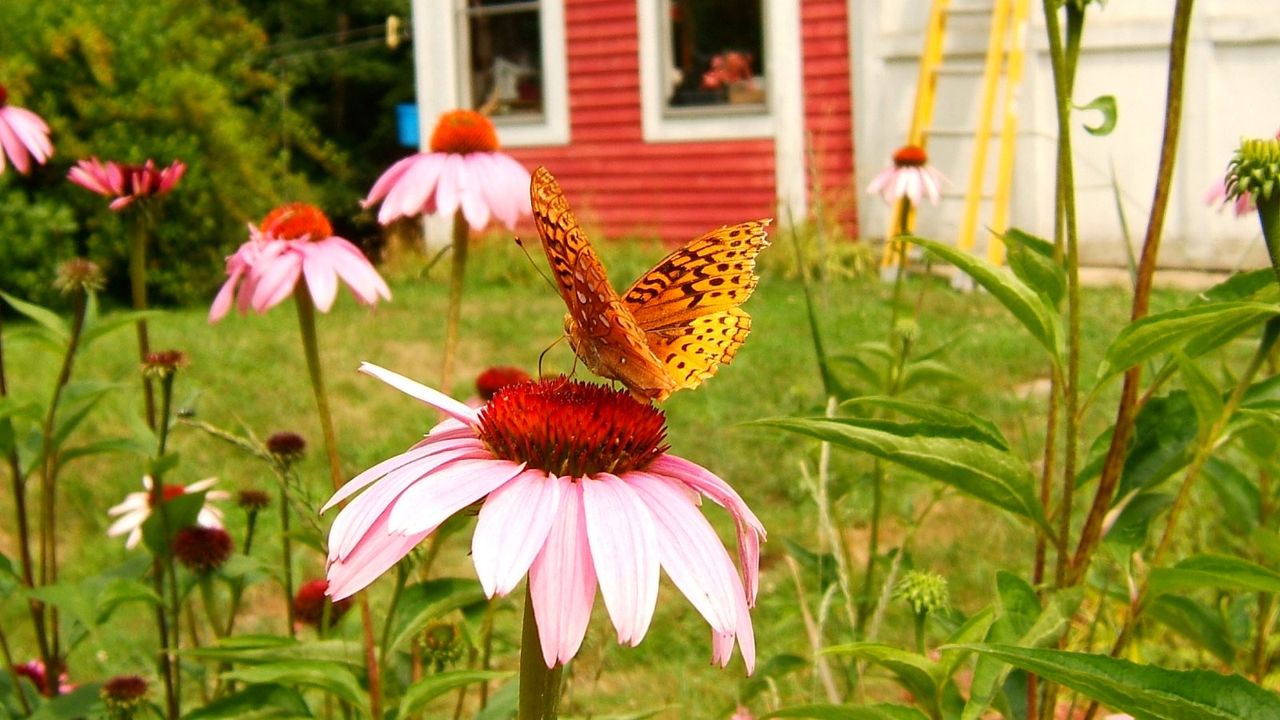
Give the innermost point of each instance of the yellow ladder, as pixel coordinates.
(1006, 45)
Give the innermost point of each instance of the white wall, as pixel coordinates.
(1232, 89)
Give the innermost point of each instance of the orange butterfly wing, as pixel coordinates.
(601, 328)
(688, 304)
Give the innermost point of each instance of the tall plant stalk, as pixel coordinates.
(138, 291)
(457, 279)
(311, 349)
(1126, 412)
(539, 685)
(164, 573)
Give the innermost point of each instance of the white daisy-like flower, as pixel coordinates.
(136, 508)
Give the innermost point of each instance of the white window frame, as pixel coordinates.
(442, 60)
(660, 124)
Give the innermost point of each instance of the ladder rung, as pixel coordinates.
(966, 69)
(952, 132)
(976, 9)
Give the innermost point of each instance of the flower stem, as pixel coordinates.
(286, 559)
(457, 277)
(138, 289)
(168, 626)
(1269, 216)
(539, 684)
(7, 658)
(23, 519)
(1126, 413)
(307, 325)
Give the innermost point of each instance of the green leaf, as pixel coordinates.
(1106, 104)
(79, 703)
(1205, 398)
(1242, 286)
(1214, 571)
(502, 704)
(99, 447)
(1195, 621)
(1236, 493)
(252, 649)
(423, 602)
(917, 674)
(99, 328)
(333, 678)
(1164, 438)
(928, 373)
(253, 703)
(177, 513)
(45, 317)
(882, 711)
(1019, 299)
(973, 630)
(433, 686)
(1143, 339)
(974, 468)
(1032, 260)
(1145, 691)
(968, 424)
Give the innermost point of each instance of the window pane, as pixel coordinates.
(506, 56)
(717, 53)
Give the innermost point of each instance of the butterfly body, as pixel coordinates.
(675, 325)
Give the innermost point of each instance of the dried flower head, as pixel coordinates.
(926, 592)
(1255, 169)
(164, 363)
(202, 549)
(79, 275)
(123, 695)
(443, 643)
(286, 447)
(495, 378)
(309, 603)
(252, 500)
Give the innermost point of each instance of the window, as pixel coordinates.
(718, 69)
(504, 71)
(716, 50)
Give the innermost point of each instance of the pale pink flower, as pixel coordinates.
(576, 489)
(1217, 197)
(296, 242)
(910, 176)
(136, 508)
(23, 136)
(463, 170)
(34, 671)
(126, 183)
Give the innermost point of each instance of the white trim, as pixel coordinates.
(440, 44)
(658, 125)
(786, 96)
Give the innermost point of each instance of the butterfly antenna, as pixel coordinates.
(546, 350)
(537, 268)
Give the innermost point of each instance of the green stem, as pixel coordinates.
(1269, 216)
(164, 569)
(49, 481)
(457, 279)
(918, 625)
(210, 606)
(286, 559)
(22, 524)
(1126, 413)
(1066, 197)
(311, 349)
(138, 290)
(7, 658)
(402, 577)
(539, 685)
(237, 586)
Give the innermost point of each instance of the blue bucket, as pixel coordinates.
(407, 124)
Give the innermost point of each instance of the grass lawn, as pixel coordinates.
(248, 372)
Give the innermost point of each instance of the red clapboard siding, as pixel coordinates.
(620, 185)
(828, 105)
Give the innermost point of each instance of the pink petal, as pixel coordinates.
(388, 179)
(275, 280)
(689, 550)
(562, 581)
(513, 527)
(722, 643)
(451, 186)
(375, 553)
(32, 131)
(624, 551)
(356, 270)
(13, 147)
(222, 303)
(354, 519)
(436, 497)
(395, 463)
(474, 207)
(750, 530)
(412, 191)
(322, 280)
(418, 391)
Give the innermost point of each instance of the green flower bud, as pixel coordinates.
(1255, 169)
(924, 591)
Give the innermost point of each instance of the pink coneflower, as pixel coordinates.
(295, 242)
(202, 549)
(136, 508)
(578, 490)
(463, 170)
(23, 136)
(909, 176)
(126, 183)
(34, 671)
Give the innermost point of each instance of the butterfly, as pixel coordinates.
(675, 325)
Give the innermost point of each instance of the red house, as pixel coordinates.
(659, 117)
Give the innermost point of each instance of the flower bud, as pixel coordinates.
(123, 695)
(202, 549)
(1255, 169)
(442, 644)
(164, 363)
(286, 447)
(252, 500)
(924, 591)
(79, 275)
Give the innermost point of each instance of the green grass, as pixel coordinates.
(248, 372)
